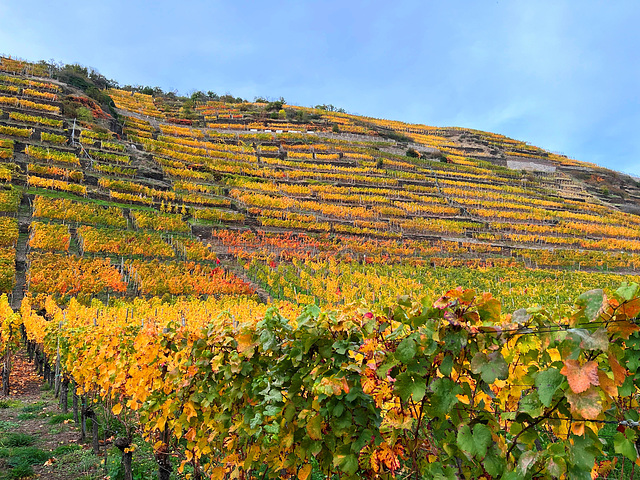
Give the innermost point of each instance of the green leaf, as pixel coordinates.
(390, 362)
(531, 405)
(444, 396)
(493, 464)
(490, 367)
(592, 302)
(627, 291)
(363, 439)
(624, 446)
(406, 350)
(482, 439)
(464, 440)
(512, 476)
(582, 454)
(446, 366)
(627, 387)
(407, 386)
(474, 442)
(348, 463)
(547, 382)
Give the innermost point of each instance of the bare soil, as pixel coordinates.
(31, 409)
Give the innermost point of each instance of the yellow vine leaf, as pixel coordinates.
(244, 342)
(117, 408)
(217, 473)
(304, 472)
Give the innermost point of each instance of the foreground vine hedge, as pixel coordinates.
(453, 389)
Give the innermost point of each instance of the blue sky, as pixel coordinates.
(562, 75)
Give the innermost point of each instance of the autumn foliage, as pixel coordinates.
(449, 389)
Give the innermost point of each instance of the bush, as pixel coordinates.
(413, 153)
(274, 106)
(84, 114)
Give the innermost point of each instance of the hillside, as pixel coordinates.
(171, 253)
(213, 182)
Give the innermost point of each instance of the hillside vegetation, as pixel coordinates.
(262, 289)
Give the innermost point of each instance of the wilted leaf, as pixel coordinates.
(580, 377)
(490, 310)
(619, 372)
(631, 308)
(314, 428)
(586, 404)
(597, 340)
(527, 459)
(623, 328)
(520, 316)
(592, 303)
(217, 473)
(607, 384)
(244, 341)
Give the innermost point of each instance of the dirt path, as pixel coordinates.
(36, 438)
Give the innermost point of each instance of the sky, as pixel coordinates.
(561, 75)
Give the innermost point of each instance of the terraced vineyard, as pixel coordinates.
(181, 237)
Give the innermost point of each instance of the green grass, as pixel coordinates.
(17, 440)
(21, 471)
(80, 463)
(66, 449)
(6, 425)
(20, 459)
(5, 403)
(27, 416)
(60, 418)
(34, 407)
(26, 455)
